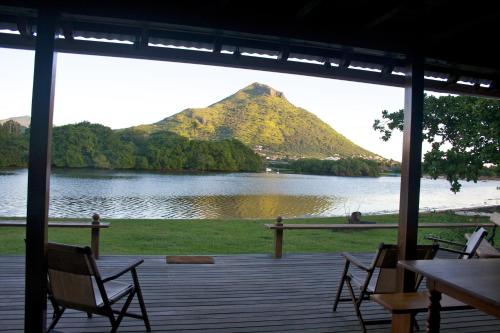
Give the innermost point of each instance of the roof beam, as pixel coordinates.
(67, 31)
(24, 27)
(470, 24)
(307, 9)
(217, 46)
(384, 17)
(344, 61)
(343, 72)
(387, 70)
(284, 54)
(142, 39)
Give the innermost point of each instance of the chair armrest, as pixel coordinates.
(355, 261)
(123, 270)
(453, 250)
(439, 240)
(490, 255)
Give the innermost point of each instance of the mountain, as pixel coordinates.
(23, 120)
(262, 118)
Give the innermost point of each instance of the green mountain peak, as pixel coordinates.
(259, 89)
(262, 118)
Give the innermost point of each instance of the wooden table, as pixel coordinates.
(475, 282)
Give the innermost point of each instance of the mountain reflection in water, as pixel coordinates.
(197, 207)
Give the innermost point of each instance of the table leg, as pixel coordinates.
(434, 315)
(402, 323)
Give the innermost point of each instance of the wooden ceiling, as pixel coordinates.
(359, 40)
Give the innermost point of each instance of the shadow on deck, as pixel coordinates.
(239, 293)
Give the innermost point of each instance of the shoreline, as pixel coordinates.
(208, 172)
(465, 211)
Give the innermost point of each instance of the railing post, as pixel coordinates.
(94, 238)
(278, 239)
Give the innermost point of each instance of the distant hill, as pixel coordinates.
(24, 121)
(262, 118)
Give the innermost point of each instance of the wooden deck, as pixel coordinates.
(239, 293)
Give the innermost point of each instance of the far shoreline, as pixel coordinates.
(209, 172)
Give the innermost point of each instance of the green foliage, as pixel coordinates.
(344, 167)
(464, 133)
(13, 145)
(259, 115)
(87, 145)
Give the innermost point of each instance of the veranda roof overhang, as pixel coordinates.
(438, 45)
(362, 41)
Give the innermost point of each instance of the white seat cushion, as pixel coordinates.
(114, 289)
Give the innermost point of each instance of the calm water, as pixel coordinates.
(79, 193)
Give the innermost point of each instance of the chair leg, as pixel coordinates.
(357, 304)
(341, 286)
(417, 327)
(123, 311)
(55, 306)
(57, 315)
(141, 300)
(109, 313)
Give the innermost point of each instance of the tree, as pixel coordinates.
(12, 127)
(13, 145)
(87, 145)
(464, 133)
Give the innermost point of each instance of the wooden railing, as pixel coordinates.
(279, 228)
(95, 226)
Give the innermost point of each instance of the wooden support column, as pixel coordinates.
(39, 173)
(411, 168)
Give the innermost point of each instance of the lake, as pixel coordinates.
(119, 194)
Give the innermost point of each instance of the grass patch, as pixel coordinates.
(201, 237)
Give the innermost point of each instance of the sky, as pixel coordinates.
(119, 92)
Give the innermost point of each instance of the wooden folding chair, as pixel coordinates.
(75, 283)
(385, 263)
(464, 251)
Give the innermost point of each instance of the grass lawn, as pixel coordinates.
(231, 236)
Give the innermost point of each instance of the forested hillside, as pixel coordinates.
(345, 167)
(13, 145)
(87, 145)
(258, 115)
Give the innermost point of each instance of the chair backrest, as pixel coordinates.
(386, 260)
(72, 271)
(495, 218)
(473, 243)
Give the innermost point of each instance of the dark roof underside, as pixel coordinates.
(317, 37)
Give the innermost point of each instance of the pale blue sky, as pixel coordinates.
(120, 93)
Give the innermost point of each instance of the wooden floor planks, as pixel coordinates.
(239, 293)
